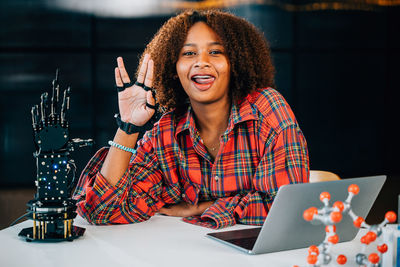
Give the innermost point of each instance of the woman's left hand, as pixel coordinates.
(185, 209)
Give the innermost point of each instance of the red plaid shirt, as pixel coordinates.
(262, 149)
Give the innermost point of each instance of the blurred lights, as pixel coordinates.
(145, 8)
(115, 8)
(292, 6)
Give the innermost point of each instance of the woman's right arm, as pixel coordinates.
(132, 106)
(136, 196)
(106, 192)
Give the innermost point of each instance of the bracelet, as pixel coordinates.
(124, 148)
(130, 128)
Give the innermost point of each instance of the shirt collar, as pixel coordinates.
(243, 111)
(240, 112)
(185, 122)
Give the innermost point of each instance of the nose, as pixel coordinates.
(202, 60)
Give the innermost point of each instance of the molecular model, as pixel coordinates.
(329, 216)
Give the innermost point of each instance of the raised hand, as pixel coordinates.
(135, 103)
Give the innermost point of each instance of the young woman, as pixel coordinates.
(225, 144)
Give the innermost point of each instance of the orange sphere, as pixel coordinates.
(364, 240)
(390, 216)
(308, 214)
(373, 258)
(327, 228)
(324, 195)
(371, 236)
(339, 205)
(353, 188)
(341, 259)
(336, 216)
(333, 239)
(312, 259)
(357, 222)
(313, 249)
(382, 248)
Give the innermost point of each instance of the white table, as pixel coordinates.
(161, 241)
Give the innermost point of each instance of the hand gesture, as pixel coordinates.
(136, 105)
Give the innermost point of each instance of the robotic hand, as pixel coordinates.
(55, 181)
(51, 128)
(53, 208)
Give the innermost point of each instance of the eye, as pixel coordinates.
(216, 52)
(188, 53)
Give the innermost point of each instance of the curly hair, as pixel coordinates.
(246, 48)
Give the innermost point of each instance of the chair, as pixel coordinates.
(322, 176)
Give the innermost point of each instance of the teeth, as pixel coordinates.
(202, 77)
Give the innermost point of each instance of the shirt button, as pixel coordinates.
(216, 178)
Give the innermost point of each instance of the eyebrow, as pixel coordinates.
(212, 43)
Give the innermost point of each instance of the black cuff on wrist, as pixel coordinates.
(130, 128)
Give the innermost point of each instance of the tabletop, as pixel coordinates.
(160, 241)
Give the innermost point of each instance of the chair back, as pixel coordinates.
(322, 176)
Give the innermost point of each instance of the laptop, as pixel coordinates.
(285, 228)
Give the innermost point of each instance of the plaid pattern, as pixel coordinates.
(262, 149)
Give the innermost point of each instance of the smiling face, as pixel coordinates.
(203, 67)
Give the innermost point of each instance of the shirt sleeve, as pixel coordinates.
(136, 196)
(285, 161)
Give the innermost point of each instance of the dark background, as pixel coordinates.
(338, 69)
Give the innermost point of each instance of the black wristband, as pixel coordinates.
(130, 128)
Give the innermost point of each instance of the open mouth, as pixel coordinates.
(203, 79)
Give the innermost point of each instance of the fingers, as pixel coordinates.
(145, 75)
(149, 73)
(143, 69)
(150, 99)
(123, 74)
(118, 79)
(165, 212)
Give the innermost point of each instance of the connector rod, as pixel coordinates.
(68, 96)
(34, 122)
(63, 107)
(43, 101)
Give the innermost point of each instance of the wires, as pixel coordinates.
(23, 216)
(72, 166)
